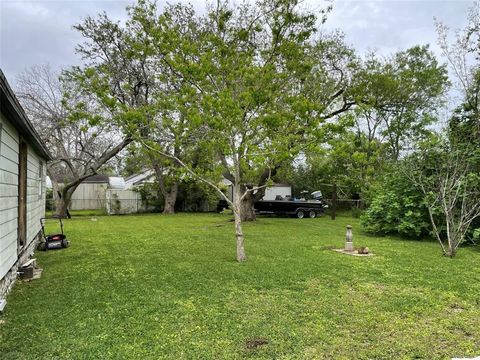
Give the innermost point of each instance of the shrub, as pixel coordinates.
(397, 206)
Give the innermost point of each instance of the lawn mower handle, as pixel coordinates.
(42, 223)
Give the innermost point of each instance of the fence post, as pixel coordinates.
(334, 201)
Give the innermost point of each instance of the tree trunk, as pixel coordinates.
(451, 249)
(63, 197)
(241, 257)
(247, 210)
(170, 199)
(453, 239)
(169, 193)
(61, 207)
(451, 253)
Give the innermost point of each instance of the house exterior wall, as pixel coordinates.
(36, 173)
(10, 254)
(8, 195)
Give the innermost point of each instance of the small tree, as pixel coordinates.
(451, 190)
(463, 56)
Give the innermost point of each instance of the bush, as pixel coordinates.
(473, 235)
(397, 207)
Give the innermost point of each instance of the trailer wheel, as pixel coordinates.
(300, 214)
(312, 214)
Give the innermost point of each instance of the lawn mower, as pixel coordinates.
(53, 241)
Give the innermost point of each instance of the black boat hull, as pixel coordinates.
(290, 207)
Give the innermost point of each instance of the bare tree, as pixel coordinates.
(463, 56)
(463, 53)
(79, 149)
(121, 57)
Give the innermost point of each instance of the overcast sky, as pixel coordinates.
(40, 31)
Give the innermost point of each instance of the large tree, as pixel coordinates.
(394, 100)
(121, 72)
(126, 69)
(80, 146)
(250, 83)
(262, 83)
(397, 97)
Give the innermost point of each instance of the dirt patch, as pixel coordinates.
(255, 343)
(456, 308)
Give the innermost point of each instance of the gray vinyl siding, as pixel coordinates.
(9, 145)
(35, 203)
(8, 196)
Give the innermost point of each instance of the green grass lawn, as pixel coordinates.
(167, 287)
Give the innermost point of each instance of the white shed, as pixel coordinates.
(23, 159)
(90, 194)
(116, 183)
(271, 192)
(275, 190)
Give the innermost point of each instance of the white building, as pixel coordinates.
(270, 192)
(144, 177)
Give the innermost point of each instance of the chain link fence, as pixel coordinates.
(346, 204)
(111, 205)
